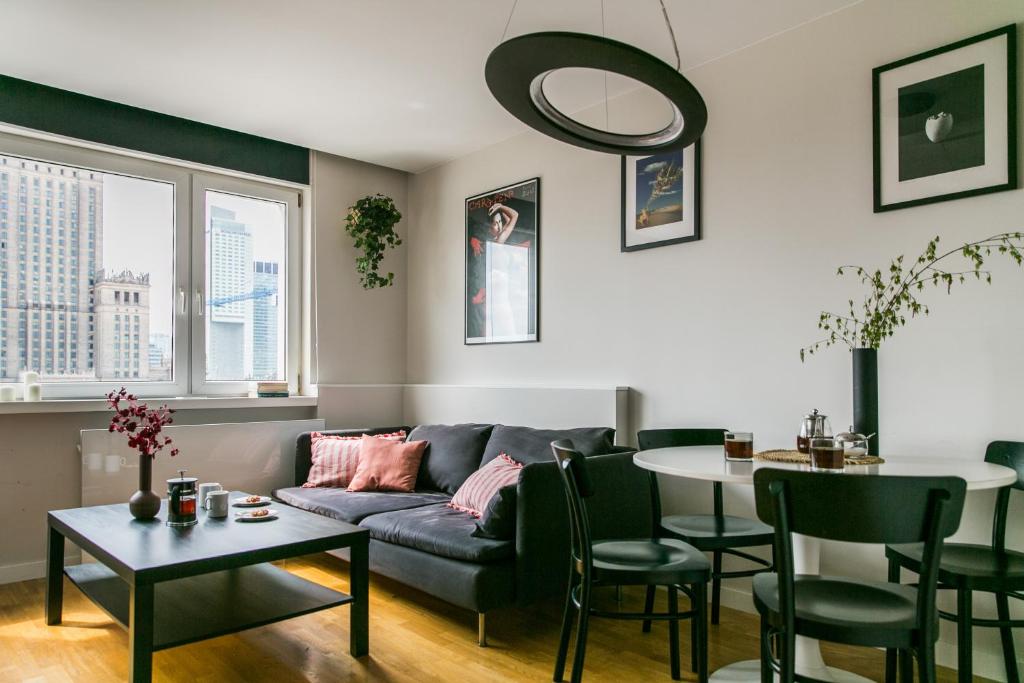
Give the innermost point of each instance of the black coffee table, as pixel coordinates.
(173, 586)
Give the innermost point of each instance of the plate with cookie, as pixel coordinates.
(261, 515)
(251, 501)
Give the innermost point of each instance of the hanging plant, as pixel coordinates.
(371, 222)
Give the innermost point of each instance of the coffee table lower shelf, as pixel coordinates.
(209, 605)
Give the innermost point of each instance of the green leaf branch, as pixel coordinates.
(371, 222)
(892, 296)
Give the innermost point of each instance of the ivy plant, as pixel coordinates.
(892, 296)
(371, 222)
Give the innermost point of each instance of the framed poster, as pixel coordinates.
(661, 199)
(945, 122)
(502, 232)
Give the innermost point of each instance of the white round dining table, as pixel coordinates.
(708, 463)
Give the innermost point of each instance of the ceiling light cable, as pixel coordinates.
(672, 33)
(508, 21)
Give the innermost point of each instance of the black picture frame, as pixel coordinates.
(689, 228)
(525, 197)
(918, 98)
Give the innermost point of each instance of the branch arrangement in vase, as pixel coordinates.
(371, 222)
(141, 425)
(892, 296)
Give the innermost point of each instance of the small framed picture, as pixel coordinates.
(661, 199)
(502, 233)
(945, 122)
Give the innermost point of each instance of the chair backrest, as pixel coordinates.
(860, 509)
(572, 468)
(667, 438)
(1009, 454)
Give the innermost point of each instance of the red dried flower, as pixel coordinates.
(142, 425)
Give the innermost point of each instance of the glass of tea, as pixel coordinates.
(739, 445)
(826, 455)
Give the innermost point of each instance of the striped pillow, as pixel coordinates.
(335, 458)
(477, 491)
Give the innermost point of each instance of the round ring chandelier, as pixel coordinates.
(516, 70)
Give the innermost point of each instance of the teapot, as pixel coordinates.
(813, 425)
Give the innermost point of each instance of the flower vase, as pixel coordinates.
(144, 504)
(865, 395)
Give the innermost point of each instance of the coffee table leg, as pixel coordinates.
(54, 577)
(140, 634)
(359, 571)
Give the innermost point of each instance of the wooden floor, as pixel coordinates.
(413, 637)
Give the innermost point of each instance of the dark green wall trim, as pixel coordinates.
(40, 107)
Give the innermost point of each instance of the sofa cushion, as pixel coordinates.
(499, 519)
(528, 445)
(484, 484)
(352, 507)
(453, 454)
(438, 530)
(387, 466)
(335, 458)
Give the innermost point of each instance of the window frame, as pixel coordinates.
(188, 377)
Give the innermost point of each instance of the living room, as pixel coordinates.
(426, 247)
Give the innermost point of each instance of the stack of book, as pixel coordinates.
(272, 389)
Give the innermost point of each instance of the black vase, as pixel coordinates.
(865, 395)
(144, 504)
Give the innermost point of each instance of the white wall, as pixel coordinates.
(708, 333)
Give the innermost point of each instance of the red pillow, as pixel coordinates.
(477, 491)
(387, 465)
(335, 458)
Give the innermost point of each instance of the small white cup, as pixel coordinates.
(206, 489)
(216, 503)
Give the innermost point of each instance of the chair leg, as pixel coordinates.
(716, 585)
(1006, 633)
(787, 657)
(767, 675)
(891, 654)
(563, 639)
(648, 608)
(582, 622)
(964, 631)
(695, 633)
(906, 658)
(701, 590)
(926, 663)
(673, 632)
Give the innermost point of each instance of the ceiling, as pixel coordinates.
(392, 82)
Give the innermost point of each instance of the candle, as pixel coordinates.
(33, 392)
(29, 377)
(7, 392)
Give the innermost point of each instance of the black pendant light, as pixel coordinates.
(516, 70)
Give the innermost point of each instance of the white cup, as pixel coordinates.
(94, 461)
(216, 503)
(113, 463)
(205, 490)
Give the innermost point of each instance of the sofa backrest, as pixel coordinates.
(303, 454)
(528, 445)
(454, 453)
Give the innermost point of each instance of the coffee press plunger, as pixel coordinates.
(181, 500)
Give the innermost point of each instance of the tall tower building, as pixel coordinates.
(264, 320)
(51, 228)
(122, 326)
(229, 339)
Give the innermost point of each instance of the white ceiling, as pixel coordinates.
(393, 82)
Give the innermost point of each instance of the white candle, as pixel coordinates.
(7, 392)
(33, 392)
(29, 377)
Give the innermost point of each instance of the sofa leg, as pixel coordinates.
(481, 629)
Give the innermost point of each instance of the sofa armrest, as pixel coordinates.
(620, 508)
(303, 455)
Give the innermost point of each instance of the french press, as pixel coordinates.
(181, 495)
(813, 425)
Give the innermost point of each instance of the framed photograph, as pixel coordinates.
(502, 233)
(945, 122)
(661, 199)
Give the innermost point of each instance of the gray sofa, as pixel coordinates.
(418, 541)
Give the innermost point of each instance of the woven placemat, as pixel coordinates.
(783, 455)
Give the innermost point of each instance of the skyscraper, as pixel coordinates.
(264, 320)
(230, 285)
(51, 233)
(122, 326)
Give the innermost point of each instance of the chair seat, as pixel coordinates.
(843, 610)
(707, 532)
(963, 565)
(663, 561)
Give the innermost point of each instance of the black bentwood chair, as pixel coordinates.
(627, 562)
(988, 569)
(855, 509)
(717, 533)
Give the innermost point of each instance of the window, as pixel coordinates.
(188, 260)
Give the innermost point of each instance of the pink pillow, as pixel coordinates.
(335, 458)
(387, 465)
(477, 491)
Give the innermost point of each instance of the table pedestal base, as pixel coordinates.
(751, 671)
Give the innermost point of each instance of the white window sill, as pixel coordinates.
(99, 405)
